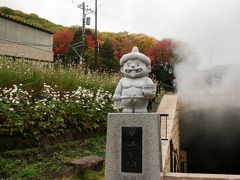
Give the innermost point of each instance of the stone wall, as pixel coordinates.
(189, 176)
(22, 51)
(170, 134)
(22, 41)
(15, 142)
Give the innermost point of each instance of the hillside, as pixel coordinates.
(33, 19)
(112, 46)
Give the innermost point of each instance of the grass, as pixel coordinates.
(47, 162)
(91, 175)
(33, 77)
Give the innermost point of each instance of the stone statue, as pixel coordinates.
(136, 88)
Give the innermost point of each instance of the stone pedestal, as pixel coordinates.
(133, 149)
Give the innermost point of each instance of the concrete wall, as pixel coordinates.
(172, 144)
(23, 41)
(189, 176)
(170, 133)
(175, 139)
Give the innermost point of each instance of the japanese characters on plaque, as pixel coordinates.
(131, 160)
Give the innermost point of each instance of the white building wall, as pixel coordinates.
(23, 41)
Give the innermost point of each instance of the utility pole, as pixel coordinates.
(83, 29)
(83, 7)
(96, 36)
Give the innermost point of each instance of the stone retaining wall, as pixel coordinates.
(14, 142)
(190, 176)
(170, 134)
(22, 51)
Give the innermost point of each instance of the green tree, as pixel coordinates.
(106, 52)
(77, 45)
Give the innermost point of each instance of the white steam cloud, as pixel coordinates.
(217, 87)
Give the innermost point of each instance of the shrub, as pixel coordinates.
(82, 109)
(37, 102)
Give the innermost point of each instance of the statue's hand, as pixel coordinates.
(117, 104)
(117, 101)
(149, 90)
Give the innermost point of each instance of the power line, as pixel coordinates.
(105, 2)
(145, 14)
(122, 13)
(140, 17)
(92, 2)
(125, 12)
(64, 2)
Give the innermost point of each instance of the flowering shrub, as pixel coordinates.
(35, 102)
(52, 112)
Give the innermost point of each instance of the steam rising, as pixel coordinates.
(210, 113)
(216, 87)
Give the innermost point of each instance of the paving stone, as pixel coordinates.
(68, 172)
(88, 162)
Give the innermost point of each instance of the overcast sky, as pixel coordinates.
(212, 27)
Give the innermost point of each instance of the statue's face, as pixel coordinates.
(135, 68)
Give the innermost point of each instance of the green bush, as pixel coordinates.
(49, 161)
(36, 102)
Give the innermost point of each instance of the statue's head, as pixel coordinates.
(135, 64)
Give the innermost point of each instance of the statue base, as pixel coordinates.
(133, 148)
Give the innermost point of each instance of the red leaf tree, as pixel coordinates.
(90, 41)
(61, 40)
(161, 52)
(162, 55)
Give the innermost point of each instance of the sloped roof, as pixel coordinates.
(10, 18)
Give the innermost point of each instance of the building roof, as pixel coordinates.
(10, 18)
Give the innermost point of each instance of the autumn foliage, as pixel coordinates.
(112, 46)
(61, 41)
(90, 41)
(123, 42)
(161, 52)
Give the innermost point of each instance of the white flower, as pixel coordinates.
(14, 86)
(11, 109)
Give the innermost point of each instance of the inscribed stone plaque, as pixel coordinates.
(131, 149)
(138, 133)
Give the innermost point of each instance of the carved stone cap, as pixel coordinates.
(135, 54)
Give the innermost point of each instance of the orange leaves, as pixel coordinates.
(123, 42)
(161, 52)
(90, 41)
(61, 40)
